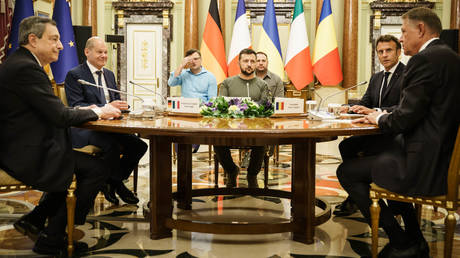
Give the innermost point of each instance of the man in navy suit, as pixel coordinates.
(113, 145)
(35, 142)
(421, 130)
(382, 94)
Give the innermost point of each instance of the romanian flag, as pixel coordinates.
(241, 38)
(326, 59)
(22, 9)
(269, 41)
(212, 45)
(68, 58)
(298, 61)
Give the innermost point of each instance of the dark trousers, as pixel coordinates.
(130, 147)
(355, 177)
(255, 163)
(362, 145)
(91, 173)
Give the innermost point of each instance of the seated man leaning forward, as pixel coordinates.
(121, 152)
(245, 84)
(196, 81)
(35, 142)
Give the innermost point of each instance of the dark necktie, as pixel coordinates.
(384, 87)
(99, 82)
(385, 81)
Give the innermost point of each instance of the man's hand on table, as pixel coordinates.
(370, 119)
(109, 111)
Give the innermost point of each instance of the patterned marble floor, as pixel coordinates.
(121, 231)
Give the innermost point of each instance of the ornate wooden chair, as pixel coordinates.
(450, 202)
(9, 184)
(90, 149)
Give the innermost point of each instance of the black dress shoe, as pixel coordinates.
(57, 245)
(109, 194)
(412, 250)
(25, 226)
(346, 208)
(126, 195)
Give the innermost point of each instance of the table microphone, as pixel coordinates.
(109, 89)
(337, 93)
(320, 115)
(150, 90)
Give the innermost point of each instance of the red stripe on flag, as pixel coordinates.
(328, 69)
(212, 35)
(299, 69)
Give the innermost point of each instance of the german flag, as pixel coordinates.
(212, 46)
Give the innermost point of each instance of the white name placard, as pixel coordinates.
(184, 105)
(288, 106)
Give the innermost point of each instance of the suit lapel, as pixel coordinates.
(377, 91)
(108, 83)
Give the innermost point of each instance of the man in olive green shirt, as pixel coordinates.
(274, 82)
(246, 84)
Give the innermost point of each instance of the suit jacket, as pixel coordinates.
(84, 95)
(35, 145)
(426, 120)
(390, 97)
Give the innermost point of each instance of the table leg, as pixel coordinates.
(160, 187)
(184, 176)
(303, 190)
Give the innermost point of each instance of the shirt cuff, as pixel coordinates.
(98, 111)
(378, 117)
(378, 109)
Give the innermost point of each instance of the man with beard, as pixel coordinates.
(274, 83)
(245, 84)
(195, 81)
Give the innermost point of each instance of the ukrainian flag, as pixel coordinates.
(269, 41)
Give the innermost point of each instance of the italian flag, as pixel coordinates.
(298, 62)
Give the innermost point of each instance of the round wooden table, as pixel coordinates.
(301, 133)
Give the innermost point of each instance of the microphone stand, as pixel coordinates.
(163, 101)
(320, 115)
(109, 89)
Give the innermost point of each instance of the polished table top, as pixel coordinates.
(230, 127)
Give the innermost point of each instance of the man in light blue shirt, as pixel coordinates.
(196, 81)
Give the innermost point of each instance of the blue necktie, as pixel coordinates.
(99, 82)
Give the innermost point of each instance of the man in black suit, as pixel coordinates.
(423, 127)
(382, 94)
(36, 147)
(113, 145)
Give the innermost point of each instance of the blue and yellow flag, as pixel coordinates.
(68, 58)
(22, 9)
(269, 41)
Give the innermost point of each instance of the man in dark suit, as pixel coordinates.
(129, 146)
(382, 94)
(34, 139)
(423, 127)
